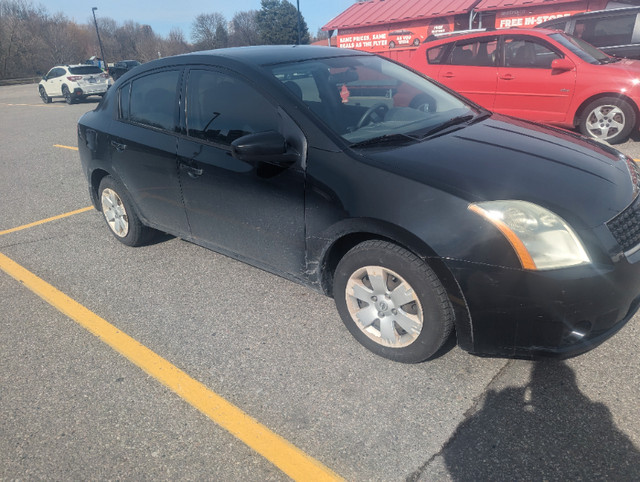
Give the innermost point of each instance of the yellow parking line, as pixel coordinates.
(43, 221)
(66, 147)
(288, 458)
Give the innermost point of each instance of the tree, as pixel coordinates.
(244, 29)
(278, 23)
(209, 31)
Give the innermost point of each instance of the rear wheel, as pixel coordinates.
(392, 302)
(68, 98)
(119, 214)
(608, 119)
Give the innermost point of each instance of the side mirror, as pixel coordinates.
(562, 65)
(269, 147)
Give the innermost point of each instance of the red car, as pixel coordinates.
(540, 75)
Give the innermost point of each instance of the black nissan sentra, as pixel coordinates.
(416, 210)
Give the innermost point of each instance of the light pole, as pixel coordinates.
(93, 10)
(298, 4)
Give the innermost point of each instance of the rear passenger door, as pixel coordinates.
(470, 69)
(143, 146)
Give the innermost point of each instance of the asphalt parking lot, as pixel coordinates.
(284, 391)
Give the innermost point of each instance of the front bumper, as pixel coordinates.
(559, 313)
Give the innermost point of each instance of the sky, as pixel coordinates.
(163, 15)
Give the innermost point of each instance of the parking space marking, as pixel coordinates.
(65, 147)
(43, 221)
(281, 453)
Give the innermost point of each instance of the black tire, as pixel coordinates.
(68, 98)
(608, 119)
(43, 95)
(414, 312)
(119, 214)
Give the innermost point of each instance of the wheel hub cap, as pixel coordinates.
(384, 306)
(115, 213)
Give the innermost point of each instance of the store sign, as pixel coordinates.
(381, 40)
(528, 18)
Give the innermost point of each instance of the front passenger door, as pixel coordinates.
(252, 211)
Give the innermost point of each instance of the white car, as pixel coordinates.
(73, 82)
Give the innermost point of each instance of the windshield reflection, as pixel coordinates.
(366, 99)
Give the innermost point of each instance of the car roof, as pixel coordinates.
(598, 13)
(539, 32)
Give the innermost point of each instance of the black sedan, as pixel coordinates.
(418, 211)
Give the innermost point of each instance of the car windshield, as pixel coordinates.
(85, 70)
(582, 49)
(365, 98)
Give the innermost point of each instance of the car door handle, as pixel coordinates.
(118, 147)
(507, 77)
(191, 169)
(448, 75)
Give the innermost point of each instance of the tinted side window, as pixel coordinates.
(222, 108)
(153, 100)
(479, 53)
(124, 99)
(436, 54)
(528, 54)
(602, 32)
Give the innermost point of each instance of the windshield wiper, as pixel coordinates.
(385, 139)
(461, 119)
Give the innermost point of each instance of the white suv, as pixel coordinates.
(73, 82)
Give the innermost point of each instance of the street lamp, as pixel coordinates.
(298, 4)
(93, 10)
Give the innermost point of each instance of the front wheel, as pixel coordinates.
(608, 119)
(43, 95)
(392, 302)
(119, 214)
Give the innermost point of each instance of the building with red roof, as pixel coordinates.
(385, 26)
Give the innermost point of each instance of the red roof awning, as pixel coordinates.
(379, 12)
(487, 5)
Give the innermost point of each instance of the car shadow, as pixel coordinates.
(546, 430)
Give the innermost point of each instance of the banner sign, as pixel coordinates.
(400, 38)
(527, 18)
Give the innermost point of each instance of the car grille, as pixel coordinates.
(625, 227)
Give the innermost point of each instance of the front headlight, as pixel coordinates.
(541, 239)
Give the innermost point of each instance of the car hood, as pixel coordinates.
(502, 158)
(624, 67)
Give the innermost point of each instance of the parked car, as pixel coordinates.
(540, 75)
(73, 82)
(122, 67)
(614, 31)
(523, 238)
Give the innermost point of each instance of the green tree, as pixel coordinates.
(278, 23)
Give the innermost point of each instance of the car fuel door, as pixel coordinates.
(243, 198)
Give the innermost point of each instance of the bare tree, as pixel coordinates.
(209, 31)
(244, 29)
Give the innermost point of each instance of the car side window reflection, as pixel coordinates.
(528, 54)
(222, 108)
(152, 100)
